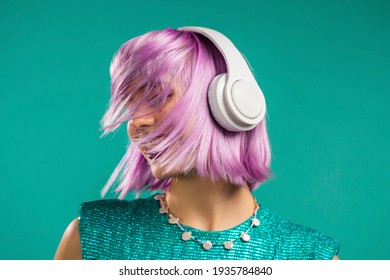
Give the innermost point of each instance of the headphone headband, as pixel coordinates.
(235, 62)
(235, 98)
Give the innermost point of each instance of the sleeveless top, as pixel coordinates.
(114, 229)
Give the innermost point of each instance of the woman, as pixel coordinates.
(205, 167)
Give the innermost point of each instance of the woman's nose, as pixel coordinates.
(143, 122)
(145, 118)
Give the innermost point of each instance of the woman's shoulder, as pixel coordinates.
(295, 239)
(107, 214)
(111, 221)
(115, 207)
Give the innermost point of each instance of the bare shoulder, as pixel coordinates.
(70, 247)
(336, 257)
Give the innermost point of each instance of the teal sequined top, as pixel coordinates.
(135, 230)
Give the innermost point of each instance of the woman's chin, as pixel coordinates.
(160, 172)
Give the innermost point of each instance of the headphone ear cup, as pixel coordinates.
(216, 101)
(247, 105)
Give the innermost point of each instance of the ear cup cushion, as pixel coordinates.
(217, 103)
(246, 102)
(242, 110)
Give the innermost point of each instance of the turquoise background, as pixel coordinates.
(324, 69)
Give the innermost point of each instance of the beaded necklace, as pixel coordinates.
(207, 244)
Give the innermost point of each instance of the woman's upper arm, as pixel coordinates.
(70, 246)
(336, 257)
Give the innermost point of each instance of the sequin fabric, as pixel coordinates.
(122, 230)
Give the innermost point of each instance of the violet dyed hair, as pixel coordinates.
(145, 70)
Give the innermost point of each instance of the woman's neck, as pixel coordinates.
(206, 205)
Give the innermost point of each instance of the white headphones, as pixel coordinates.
(235, 99)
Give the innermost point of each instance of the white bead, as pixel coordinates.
(173, 220)
(245, 237)
(207, 245)
(163, 210)
(255, 222)
(186, 235)
(158, 196)
(228, 245)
